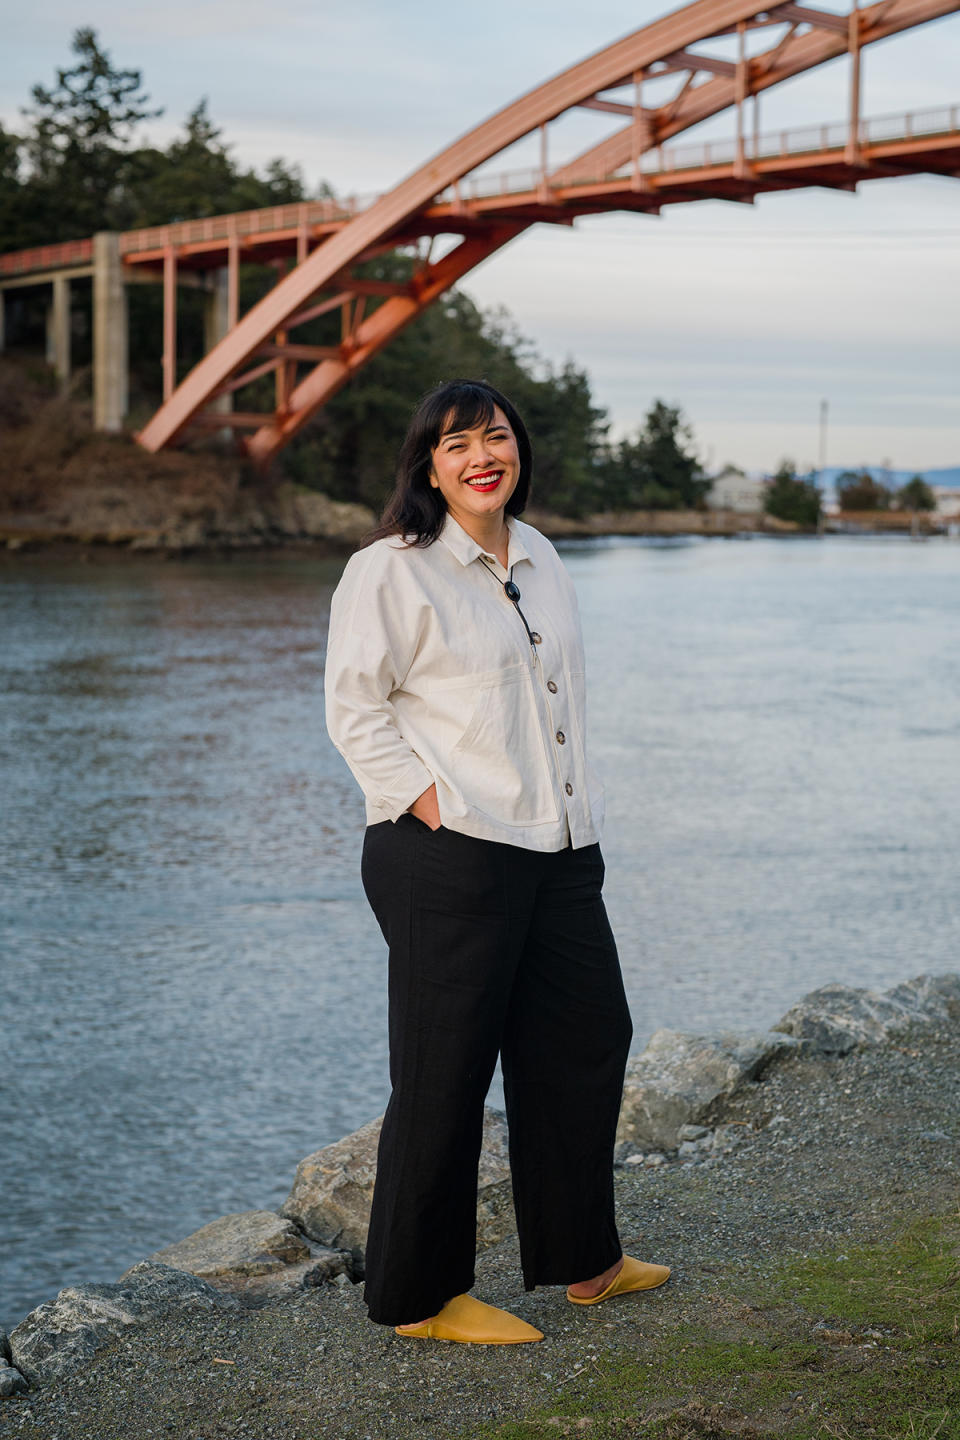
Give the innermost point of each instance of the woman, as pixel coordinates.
(455, 692)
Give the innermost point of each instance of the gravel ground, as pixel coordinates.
(834, 1151)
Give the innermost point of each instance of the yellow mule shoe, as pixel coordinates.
(632, 1275)
(473, 1323)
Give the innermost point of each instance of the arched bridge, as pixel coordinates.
(457, 198)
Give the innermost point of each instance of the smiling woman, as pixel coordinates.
(465, 727)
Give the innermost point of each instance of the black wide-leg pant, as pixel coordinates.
(493, 948)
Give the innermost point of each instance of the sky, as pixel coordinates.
(746, 316)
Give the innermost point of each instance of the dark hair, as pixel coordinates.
(417, 508)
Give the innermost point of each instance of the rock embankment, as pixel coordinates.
(183, 511)
(734, 1150)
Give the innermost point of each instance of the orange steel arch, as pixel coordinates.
(418, 207)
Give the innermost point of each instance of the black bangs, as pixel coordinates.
(467, 405)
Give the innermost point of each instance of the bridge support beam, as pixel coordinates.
(110, 379)
(741, 91)
(58, 330)
(169, 322)
(853, 45)
(216, 323)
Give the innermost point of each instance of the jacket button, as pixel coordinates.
(561, 738)
(569, 788)
(551, 687)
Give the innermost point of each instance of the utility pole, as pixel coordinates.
(822, 466)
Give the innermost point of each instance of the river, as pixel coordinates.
(192, 987)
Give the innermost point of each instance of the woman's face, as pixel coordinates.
(476, 471)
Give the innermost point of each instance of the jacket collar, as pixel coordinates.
(466, 549)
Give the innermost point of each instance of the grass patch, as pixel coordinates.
(862, 1342)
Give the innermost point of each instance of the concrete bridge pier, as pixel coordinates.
(58, 329)
(216, 323)
(110, 384)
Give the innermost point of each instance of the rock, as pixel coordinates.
(728, 1137)
(692, 1132)
(837, 1018)
(11, 1382)
(68, 1331)
(5, 1351)
(256, 1255)
(322, 518)
(680, 1078)
(147, 540)
(333, 1188)
(495, 1214)
(935, 997)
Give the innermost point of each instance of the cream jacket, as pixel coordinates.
(431, 678)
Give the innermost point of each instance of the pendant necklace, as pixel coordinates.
(512, 592)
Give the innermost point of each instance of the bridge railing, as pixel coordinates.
(806, 139)
(47, 257)
(300, 214)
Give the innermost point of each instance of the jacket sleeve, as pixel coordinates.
(371, 644)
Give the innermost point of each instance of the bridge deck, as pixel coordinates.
(919, 142)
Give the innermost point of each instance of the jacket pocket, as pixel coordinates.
(500, 764)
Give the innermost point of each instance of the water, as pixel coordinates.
(192, 987)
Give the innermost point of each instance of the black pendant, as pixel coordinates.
(511, 591)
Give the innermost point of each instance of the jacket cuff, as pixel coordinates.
(404, 790)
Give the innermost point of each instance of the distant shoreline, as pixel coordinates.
(292, 518)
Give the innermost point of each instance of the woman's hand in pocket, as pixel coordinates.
(427, 809)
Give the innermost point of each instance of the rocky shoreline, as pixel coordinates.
(700, 1114)
(292, 515)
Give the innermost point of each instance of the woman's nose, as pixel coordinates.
(480, 453)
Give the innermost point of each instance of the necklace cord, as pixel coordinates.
(514, 602)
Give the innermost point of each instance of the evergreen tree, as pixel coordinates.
(792, 497)
(657, 469)
(857, 490)
(916, 495)
(79, 139)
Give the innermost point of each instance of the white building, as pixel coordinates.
(948, 502)
(741, 493)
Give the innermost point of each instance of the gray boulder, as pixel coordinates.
(67, 1332)
(333, 1188)
(256, 1255)
(320, 517)
(11, 1382)
(495, 1214)
(5, 1352)
(837, 1018)
(680, 1079)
